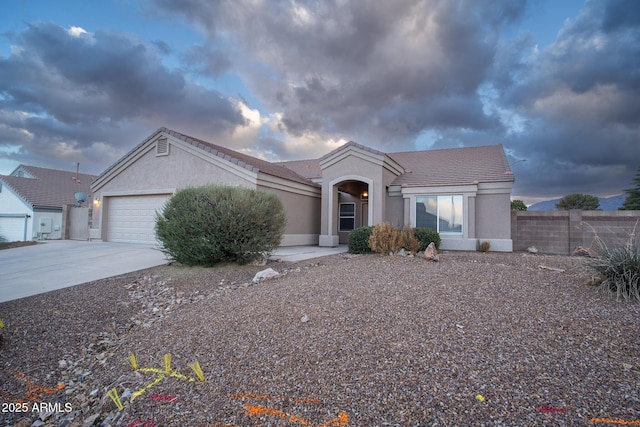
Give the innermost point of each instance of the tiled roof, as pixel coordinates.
(353, 144)
(248, 162)
(453, 166)
(50, 187)
(309, 169)
(245, 161)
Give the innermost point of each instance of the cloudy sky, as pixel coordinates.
(556, 82)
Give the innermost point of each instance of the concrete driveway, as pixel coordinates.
(57, 264)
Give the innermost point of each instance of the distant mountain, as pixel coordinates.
(606, 204)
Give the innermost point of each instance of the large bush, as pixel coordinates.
(211, 224)
(426, 236)
(359, 240)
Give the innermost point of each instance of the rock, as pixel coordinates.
(88, 422)
(304, 319)
(267, 274)
(431, 253)
(532, 250)
(402, 252)
(585, 252)
(23, 423)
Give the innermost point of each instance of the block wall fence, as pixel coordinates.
(559, 232)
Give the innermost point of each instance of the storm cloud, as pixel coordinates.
(396, 76)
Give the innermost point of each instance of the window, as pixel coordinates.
(441, 213)
(347, 217)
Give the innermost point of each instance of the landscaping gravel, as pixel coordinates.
(480, 339)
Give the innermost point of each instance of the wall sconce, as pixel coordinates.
(96, 202)
(365, 195)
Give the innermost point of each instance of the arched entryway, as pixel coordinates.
(350, 205)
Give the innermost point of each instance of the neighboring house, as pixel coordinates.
(32, 201)
(464, 193)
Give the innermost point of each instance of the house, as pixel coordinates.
(33, 199)
(464, 193)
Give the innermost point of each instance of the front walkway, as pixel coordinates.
(300, 253)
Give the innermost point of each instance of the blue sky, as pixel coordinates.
(557, 83)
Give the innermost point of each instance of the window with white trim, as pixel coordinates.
(347, 217)
(441, 213)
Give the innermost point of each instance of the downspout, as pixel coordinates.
(26, 221)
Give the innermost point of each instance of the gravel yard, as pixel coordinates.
(346, 340)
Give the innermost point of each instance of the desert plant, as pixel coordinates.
(385, 239)
(619, 267)
(211, 224)
(359, 240)
(408, 240)
(484, 246)
(426, 236)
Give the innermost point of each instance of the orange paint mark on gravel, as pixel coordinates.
(252, 410)
(34, 391)
(340, 421)
(619, 422)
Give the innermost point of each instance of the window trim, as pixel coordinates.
(437, 196)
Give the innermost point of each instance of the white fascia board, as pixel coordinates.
(352, 151)
(393, 166)
(441, 190)
(495, 187)
(278, 183)
(158, 191)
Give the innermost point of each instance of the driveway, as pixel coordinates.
(57, 264)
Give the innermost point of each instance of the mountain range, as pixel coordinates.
(606, 204)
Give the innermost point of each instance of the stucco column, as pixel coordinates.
(328, 229)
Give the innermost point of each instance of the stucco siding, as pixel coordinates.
(493, 216)
(395, 211)
(303, 216)
(151, 174)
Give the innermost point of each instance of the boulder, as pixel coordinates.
(584, 252)
(532, 250)
(431, 253)
(267, 274)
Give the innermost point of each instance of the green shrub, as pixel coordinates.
(426, 236)
(359, 240)
(385, 239)
(620, 269)
(211, 224)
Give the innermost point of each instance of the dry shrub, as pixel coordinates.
(385, 239)
(408, 239)
(484, 246)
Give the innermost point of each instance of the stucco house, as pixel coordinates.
(32, 201)
(464, 193)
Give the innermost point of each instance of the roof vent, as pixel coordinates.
(162, 147)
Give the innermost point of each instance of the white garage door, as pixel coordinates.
(131, 219)
(12, 229)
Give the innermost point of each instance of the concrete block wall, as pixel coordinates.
(559, 232)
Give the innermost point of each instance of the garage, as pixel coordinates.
(13, 227)
(131, 219)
